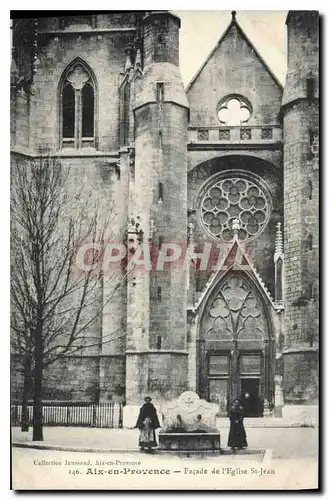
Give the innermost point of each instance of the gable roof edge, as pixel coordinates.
(262, 60)
(214, 277)
(189, 85)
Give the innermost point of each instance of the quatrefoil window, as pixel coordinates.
(231, 198)
(234, 111)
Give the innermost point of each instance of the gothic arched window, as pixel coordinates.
(68, 103)
(77, 106)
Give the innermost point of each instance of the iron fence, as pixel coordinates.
(73, 414)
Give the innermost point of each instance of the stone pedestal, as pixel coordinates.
(189, 441)
(301, 375)
(301, 415)
(130, 415)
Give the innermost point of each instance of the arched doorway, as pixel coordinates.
(235, 353)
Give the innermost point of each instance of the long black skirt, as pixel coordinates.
(147, 438)
(237, 437)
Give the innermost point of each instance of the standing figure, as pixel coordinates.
(147, 422)
(237, 436)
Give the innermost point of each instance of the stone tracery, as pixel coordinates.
(236, 311)
(231, 198)
(234, 111)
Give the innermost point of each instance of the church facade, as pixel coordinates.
(226, 170)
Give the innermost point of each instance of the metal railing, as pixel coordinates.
(73, 414)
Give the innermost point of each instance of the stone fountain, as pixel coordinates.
(189, 424)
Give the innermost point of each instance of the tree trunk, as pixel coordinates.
(26, 390)
(37, 400)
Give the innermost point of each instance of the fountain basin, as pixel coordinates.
(189, 441)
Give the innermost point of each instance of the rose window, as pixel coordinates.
(235, 198)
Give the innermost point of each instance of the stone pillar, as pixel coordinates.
(300, 131)
(114, 322)
(193, 321)
(156, 355)
(278, 322)
(278, 396)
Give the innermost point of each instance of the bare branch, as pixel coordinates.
(55, 306)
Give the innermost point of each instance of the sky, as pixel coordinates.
(201, 30)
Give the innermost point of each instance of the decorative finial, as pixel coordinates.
(278, 243)
(190, 229)
(35, 46)
(236, 228)
(128, 63)
(152, 228)
(233, 13)
(138, 60)
(14, 73)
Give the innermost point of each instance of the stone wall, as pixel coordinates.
(105, 55)
(301, 377)
(161, 39)
(168, 311)
(72, 379)
(234, 67)
(260, 249)
(301, 206)
(157, 296)
(303, 53)
(91, 180)
(301, 224)
(161, 375)
(19, 118)
(35, 125)
(161, 158)
(112, 382)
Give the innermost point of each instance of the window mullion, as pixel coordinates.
(78, 119)
(78, 91)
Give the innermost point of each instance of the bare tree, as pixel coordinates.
(54, 304)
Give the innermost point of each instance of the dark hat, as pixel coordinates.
(147, 399)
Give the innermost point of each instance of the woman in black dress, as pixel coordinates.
(237, 436)
(147, 422)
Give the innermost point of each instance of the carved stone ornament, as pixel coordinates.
(78, 76)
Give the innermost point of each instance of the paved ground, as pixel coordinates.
(283, 442)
